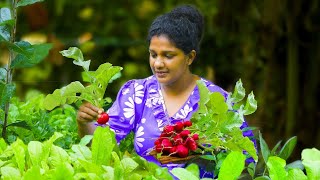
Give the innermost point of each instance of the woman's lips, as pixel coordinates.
(161, 74)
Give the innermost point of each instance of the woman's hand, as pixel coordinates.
(88, 113)
(86, 116)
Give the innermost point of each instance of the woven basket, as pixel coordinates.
(172, 159)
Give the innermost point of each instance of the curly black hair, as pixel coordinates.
(183, 26)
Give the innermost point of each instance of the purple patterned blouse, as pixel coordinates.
(140, 108)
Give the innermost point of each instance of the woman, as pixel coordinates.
(145, 106)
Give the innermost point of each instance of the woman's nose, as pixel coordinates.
(158, 62)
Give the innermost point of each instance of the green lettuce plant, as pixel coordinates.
(101, 160)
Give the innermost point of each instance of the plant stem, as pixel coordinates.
(9, 70)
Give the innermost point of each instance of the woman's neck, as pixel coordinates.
(184, 84)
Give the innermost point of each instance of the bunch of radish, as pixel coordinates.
(175, 140)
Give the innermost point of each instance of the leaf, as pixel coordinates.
(85, 140)
(204, 97)
(239, 143)
(19, 154)
(275, 148)
(232, 166)
(91, 167)
(102, 147)
(276, 168)
(6, 92)
(3, 74)
(129, 165)
(27, 2)
(29, 55)
(62, 171)
(5, 19)
(251, 105)
(208, 157)
(58, 156)
(184, 174)
(67, 94)
(33, 173)
(3, 145)
(76, 54)
(5, 14)
(296, 174)
(264, 148)
(295, 165)
(287, 149)
(8, 172)
(109, 172)
(100, 80)
(22, 124)
(239, 92)
(251, 169)
(35, 149)
(311, 161)
(118, 168)
(194, 169)
(81, 152)
(217, 103)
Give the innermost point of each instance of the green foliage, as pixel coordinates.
(75, 91)
(21, 55)
(29, 55)
(232, 166)
(44, 160)
(311, 161)
(187, 174)
(29, 121)
(27, 2)
(6, 92)
(218, 121)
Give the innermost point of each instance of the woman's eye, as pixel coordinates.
(153, 55)
(169, 56)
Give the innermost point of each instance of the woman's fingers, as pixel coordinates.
(88, 112)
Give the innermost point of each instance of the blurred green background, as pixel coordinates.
(273, 46)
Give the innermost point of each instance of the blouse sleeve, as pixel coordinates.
(122, 112)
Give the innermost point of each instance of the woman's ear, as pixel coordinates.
(191, 56)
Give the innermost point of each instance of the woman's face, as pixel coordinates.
(167, 62)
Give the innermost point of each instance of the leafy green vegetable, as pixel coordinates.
(218, 122)
(276, 168)
(311, 161)
(232, 166)
(75, 91)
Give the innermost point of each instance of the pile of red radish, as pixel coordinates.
(175, 140)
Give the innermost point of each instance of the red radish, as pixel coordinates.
(158, 148)
(168, 130)
(195, 136)
(187, 123)
(158, 141)
(173, 150)
(182, 151)
(166, 145)
(184, 133)
(104, 118)
(177, 139)
(179, 126)
(191, 144)
(164, 135)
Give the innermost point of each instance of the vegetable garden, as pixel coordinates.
(40, 139)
